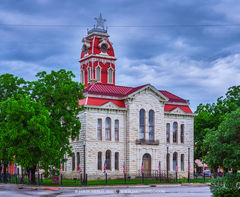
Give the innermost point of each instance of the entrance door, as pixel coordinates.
(147, 164)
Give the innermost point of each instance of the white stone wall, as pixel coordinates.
(146, 100)
(128, 150)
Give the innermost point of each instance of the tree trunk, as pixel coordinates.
(32, 178)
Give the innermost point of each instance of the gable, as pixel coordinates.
(177, 108)
(178, 111)
(150, 88)
(110, 105)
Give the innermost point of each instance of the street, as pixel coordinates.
(144, 191)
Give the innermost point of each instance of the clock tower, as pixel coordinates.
(97, 62)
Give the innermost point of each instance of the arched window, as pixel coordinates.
(99, 160)
(116, 130)
(175, 131)
(168, 161)
(82, 76)
(98, 73)
(99, 129)
(110, 75)
(174, 160)
(108, 160)
(182, 162)
(108, 129)
(73, 162)
(89, 74)
(182, 133)
(117, 161)
(78, 160)
(142, 124)
(151, 125)
(168, 132)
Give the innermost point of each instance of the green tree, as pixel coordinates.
(59, 94)
(24, 131)
(210, 117)
(223, 145)
(10, 86)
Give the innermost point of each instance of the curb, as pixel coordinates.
(20, 186)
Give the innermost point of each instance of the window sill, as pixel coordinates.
(147, 142)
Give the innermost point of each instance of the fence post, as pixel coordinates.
(86, 180)
(105, 178)
(41, 179)
(142, 178)
(38, 179)
(9, 177)
(81, 179)
(22, 179)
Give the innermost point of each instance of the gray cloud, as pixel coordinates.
(196, 62)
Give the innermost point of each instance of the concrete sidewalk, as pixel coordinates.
(36, 187)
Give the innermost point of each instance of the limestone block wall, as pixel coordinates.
(128, 149)
(146, 100)
(77, 146)
(93, 145)
(89, 119)
(181, 148)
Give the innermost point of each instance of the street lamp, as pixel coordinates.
(188, 164)
(167, 162)
(84, 160)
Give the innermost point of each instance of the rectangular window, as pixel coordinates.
(182, 162)
(99, 160)
(182, 133)
(116, 130)
(175, 132)
(82, 76)
(116, 161)
(99, 129)
(108, 129)
(168, 161)
(89, 74)
(73, 162)
(168, 132)
(110, 75)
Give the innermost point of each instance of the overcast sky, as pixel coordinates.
(188, 47)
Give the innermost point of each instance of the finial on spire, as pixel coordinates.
(100, 21)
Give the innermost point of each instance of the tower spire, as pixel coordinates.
(97, 60)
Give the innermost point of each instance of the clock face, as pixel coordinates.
(104, 47)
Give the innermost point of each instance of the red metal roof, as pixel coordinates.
(172, 97)
(122, 91)
(111, 90)
(185, 108)
(101, 101)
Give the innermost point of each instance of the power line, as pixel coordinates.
(122, 26)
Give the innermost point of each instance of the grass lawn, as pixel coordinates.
(48, 182)
(74, 183)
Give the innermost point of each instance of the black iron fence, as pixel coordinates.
(21, 179)
(144, 177)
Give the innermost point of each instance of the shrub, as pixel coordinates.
(227, 186)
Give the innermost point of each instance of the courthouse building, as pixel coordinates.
(133, 125)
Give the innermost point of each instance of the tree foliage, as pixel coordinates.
(59, 94)
(223, 145)
(24, 132)
(39, 118)
(210, 117)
